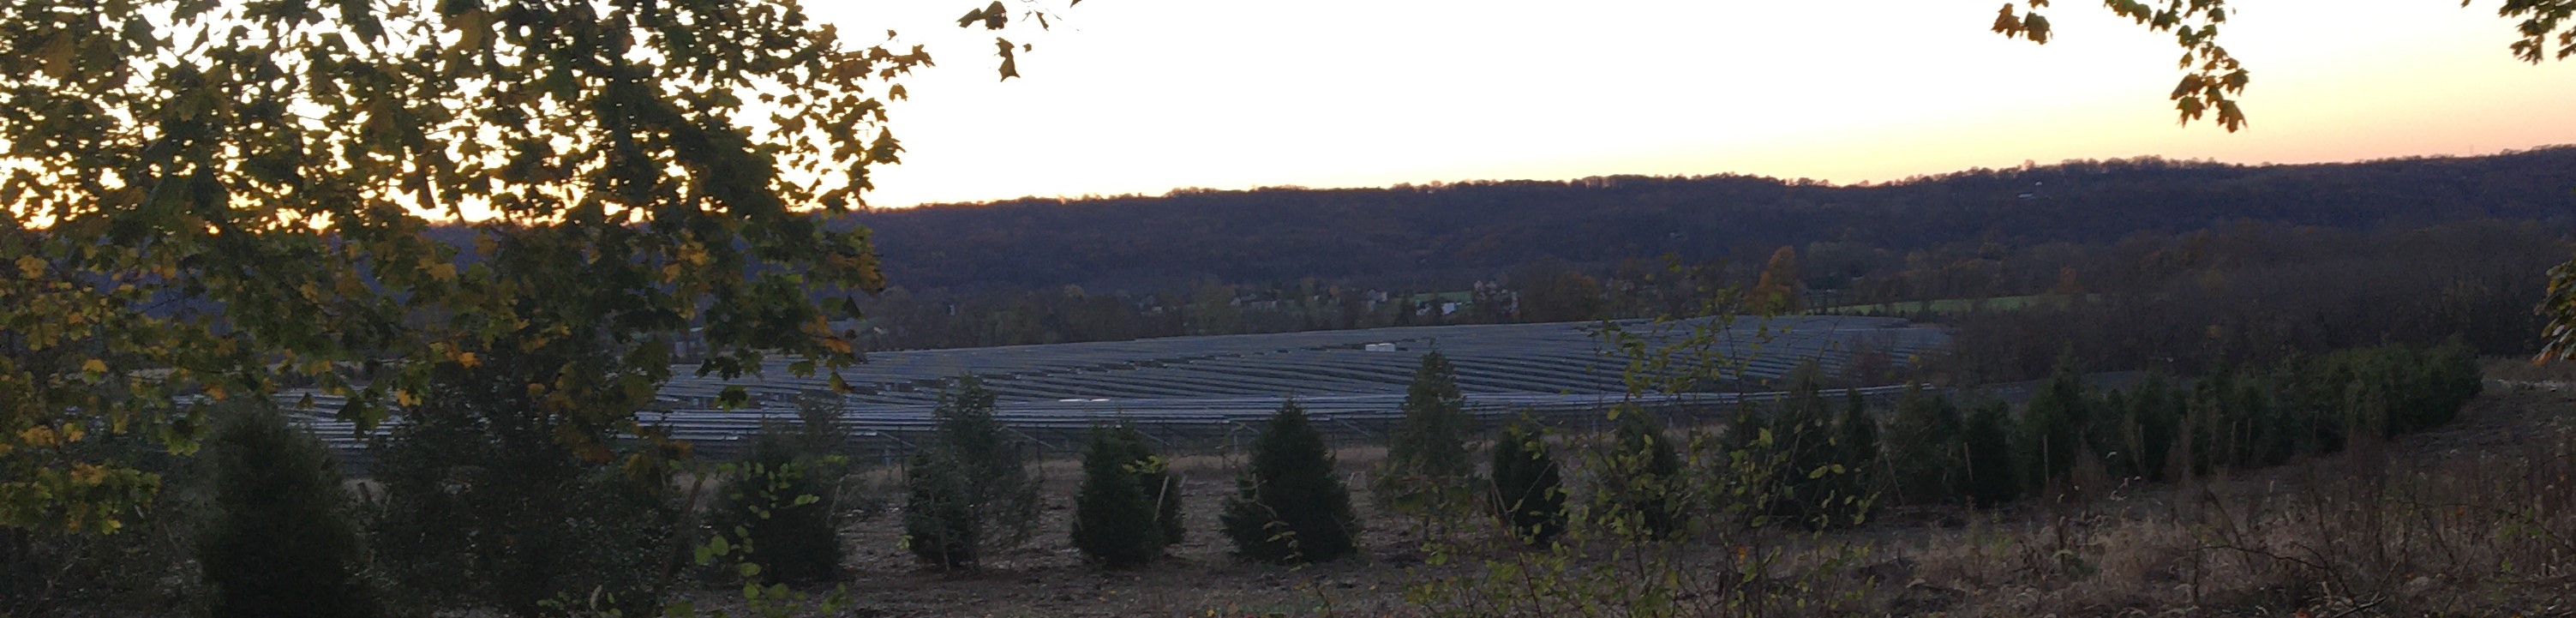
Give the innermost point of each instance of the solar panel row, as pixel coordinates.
(1198, 386)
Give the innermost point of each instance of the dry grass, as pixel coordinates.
(2476, 518)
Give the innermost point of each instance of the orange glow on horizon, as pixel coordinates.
(1143, 96)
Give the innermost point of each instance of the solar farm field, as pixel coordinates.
(1215, 390)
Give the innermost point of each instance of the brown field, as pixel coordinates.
(2469, 519)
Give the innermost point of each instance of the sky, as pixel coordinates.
(1145, 96)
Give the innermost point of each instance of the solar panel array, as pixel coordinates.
(1220, 387)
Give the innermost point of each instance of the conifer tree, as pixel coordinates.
(1858, 443)
(1993, 477)
(1925, 448)
(971, 490)
(1427, 463)
(1529, 492)
(279, 541)
(939, 521)
(2056, 425)
(1811, 488)
(2156, 407)
(1641, 480)
(1162, 487)
(1114, 511)
(1289, 507)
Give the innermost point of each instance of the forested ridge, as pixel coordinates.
(1467, 231)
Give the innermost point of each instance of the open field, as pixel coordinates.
(2239, 544)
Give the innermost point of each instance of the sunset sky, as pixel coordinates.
(1143, 96)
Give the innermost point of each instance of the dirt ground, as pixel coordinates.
(1929, 549)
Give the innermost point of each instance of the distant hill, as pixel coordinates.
(1480, 227)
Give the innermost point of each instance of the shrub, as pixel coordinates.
(1289, 507)
(1529, 492)
(1116, 515)
(782, 502)
(279, 540)
(970, 487)
(484, 506)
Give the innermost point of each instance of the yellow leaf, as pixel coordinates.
(88, 474)
(31, 266)
(468, 360)
(405, 398)
(443, 271)
(94, 366)
(38, 436)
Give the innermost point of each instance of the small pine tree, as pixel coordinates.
(1114, 513)
(279, 541)
(2056, 425)
(1641, 479)
(1289, 508)
(1433, 437)
(1427, 463)
(2156, 407)
(969, 467)
(1858, 445)
(939, 522)
(1923, 448)
(1529, 491)
(1162, 487)
(1992, 477)
(1811, 489)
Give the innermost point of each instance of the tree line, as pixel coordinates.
(1449, 234)
(483, 513)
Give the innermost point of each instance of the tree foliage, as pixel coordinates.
(970, 488)
(1924, 448)
(2056, 427)
(1528, 486)
(781, 504)
(1288, 505)
(1427, 462)
(1993, 477)
(1640, 486)
(482, 506)
(216, 198)
(280, 541)
(1126, 508)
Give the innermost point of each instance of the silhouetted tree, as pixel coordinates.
(1993, 476)
(279, 541)
(1529, 493)
(1288, 506)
